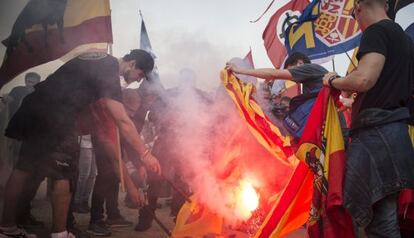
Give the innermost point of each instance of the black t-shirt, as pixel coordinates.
(309, 75)
(392, 88)
(59, 99)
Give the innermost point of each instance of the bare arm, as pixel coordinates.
(363, 78)
(267, 74)
(129, 133)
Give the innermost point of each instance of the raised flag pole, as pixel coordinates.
(267, 9)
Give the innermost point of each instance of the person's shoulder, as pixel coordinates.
(92, 56)
(313, 67)
(384, 25)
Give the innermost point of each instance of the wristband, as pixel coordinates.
(332, 78)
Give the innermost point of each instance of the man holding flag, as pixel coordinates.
(380, 157)
(46, 124)
(299, 69)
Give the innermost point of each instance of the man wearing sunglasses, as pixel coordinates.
(380, 157)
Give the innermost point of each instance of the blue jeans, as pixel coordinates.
(87, 175)
(380, 163)
(385, 220)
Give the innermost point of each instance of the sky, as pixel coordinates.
(195, 34)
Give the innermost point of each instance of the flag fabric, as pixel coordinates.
(324, 29)
(291, 210)
(322, 156)
(196, 220)
(70, 23)
(145, 44)
(273, 34)
(404, 16)
(258, 123)
(249, 59)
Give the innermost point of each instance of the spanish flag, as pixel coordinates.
(47, 30)
(314, 193)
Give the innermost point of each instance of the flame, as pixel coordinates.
(248, 199)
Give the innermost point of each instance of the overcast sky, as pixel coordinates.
(200, 35)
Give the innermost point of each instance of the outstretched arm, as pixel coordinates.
(267, 74)
(129, 133)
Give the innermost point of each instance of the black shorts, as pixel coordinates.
(55, 157)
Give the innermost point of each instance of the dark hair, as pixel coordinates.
(295, 57)
(32, 75)
(143, 59)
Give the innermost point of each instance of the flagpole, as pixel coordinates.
(267, 9)
(350, 59)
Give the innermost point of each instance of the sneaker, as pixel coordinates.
(142, 226)
(30, 222)
(118, 222)
(67, 235)
(99, 229)
(78, 233)
(15, 233)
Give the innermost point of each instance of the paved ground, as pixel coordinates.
(42, 211)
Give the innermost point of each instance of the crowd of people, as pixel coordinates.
(84, 133)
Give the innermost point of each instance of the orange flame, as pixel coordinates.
(248, 199)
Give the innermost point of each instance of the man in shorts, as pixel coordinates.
(46, 123)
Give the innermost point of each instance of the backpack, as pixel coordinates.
(299, 109)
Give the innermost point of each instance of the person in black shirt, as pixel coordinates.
(380, 157)
(46, 123)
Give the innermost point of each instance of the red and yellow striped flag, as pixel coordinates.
(70, 23)
(258, 123)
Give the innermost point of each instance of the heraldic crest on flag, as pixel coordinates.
(325, 28)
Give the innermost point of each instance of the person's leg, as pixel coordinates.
(112, 193)
(24, 216)
(98, 198)
(146, 213)
(14, 187)
(84, 168)
(385, 221)
(91, 179)
(61, 196)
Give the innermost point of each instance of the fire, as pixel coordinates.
(249, 196)
(248, 199)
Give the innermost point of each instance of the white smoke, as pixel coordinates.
(202, 130)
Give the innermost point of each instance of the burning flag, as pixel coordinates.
(46, 30)
(196, 220)
(258, 123)
(322, 149)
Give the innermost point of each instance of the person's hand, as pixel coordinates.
(137, 197)
(152, 163)
(347, 102)
(232, 67)
(325, 79)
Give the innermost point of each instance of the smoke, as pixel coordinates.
(217, 153)
(194, 51)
